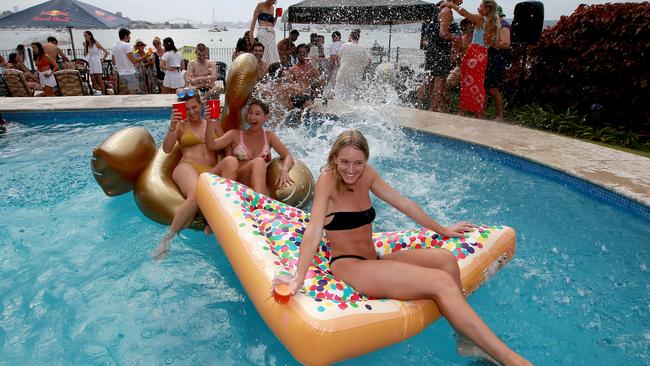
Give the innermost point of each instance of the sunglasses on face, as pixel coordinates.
(189, 92)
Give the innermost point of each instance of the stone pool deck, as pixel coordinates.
(624, 173)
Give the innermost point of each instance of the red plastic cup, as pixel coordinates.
(180, 107)
(215, 108)
(282, 284)
(278, 12)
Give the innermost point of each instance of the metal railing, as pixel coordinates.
(404, 56)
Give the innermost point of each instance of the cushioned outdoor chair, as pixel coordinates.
(70, 83)
(16, 83)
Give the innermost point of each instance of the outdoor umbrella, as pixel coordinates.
(387, 12)
(63, 13)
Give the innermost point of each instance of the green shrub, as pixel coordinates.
(594, 62)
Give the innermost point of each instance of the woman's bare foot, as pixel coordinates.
(467, 348)
(163, 247)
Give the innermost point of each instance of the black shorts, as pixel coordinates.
(438, 59)
(498, 62)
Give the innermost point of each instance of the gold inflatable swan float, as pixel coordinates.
(128, 159)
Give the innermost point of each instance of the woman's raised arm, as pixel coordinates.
(219, 143)
(411, 209)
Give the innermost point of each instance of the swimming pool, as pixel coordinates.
(77, 285)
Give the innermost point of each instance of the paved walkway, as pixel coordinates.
(624, 173)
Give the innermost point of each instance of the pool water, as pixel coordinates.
(78, 285)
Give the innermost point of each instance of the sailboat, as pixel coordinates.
(213, 28)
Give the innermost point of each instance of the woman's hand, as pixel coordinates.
(284, 180)
(175, 119)
(296, 285)
(457, 230)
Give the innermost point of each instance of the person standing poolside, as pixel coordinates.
(264, 14)
(334, 61)
(195, 159)
(262, 68)
(252, 148)
(202, 72)
(158, 53)
(306, 77)
(52, 49)
(486, 25)
(46, 67)
(171, 63)
(287, 48)
(354, 60)
(146, 79)
(124, 61)
(441, 63)
(342, 210)
(93, 50)
(499, 57)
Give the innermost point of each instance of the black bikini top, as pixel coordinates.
(266, 17)
(350, 220)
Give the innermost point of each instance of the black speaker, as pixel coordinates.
(528, 22)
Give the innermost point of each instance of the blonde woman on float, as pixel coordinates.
(342, 209)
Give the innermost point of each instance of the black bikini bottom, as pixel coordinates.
(334, 259)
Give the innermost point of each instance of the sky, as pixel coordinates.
(201, 10)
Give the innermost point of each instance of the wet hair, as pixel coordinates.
(355, 34)
(295, 32)
(123, 33)
(275, 70)
(41, 52)
(258, 44)
(13, 58)
(168, 44)
(491, 26)
(20, 48)
(336, 34)
(259, 103)
(51, 39)
(313, 36)
(349, 138)
(92, 38)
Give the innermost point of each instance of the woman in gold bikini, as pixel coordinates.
(195, 159)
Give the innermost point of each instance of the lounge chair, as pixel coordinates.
(16, 83)
(70, 83)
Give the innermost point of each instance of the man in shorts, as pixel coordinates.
(124, 61)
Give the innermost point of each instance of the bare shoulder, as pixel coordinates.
(326, 179)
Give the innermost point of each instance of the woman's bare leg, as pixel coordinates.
(185, 176)
(397, 280)
(432, 258)
(226, 168)
(253, 174)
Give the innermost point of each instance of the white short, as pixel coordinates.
(46, 78)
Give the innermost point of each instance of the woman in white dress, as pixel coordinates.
(92, 51)
(170, 62)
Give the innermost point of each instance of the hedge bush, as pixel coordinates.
(594, 62)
